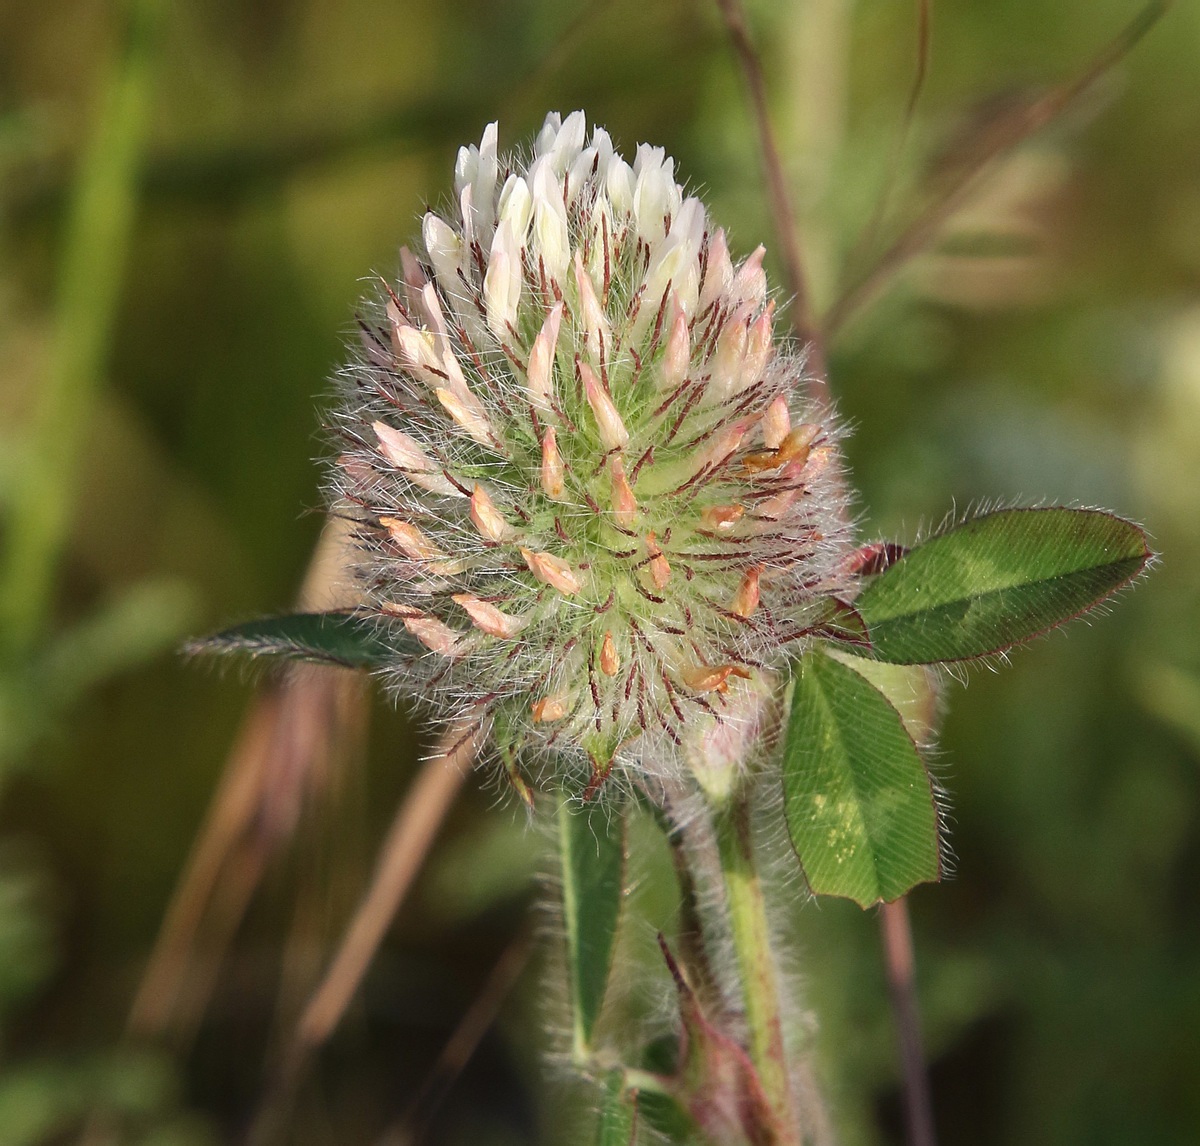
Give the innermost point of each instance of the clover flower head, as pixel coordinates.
(590, 492)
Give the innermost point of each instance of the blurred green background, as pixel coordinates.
(190, 197)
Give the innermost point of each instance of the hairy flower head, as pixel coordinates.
(590, 492)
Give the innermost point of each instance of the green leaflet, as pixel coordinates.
(996, 581)
(912, 690)
(328, 638)
(858, 799)
(592, 847)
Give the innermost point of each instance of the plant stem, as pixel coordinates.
(760, 989)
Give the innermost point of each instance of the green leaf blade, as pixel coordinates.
(592, 847)
(997, 581)
(324, 638)
(857, 796)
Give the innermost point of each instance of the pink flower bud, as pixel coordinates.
(487, 518)
(612, 430)
(404, 453)
(487, 618)
(553, 473)
(552, 571)
(540, 374)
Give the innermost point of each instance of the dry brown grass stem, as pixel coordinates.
(879, 215)
(413, 831)
(997, 141)
(463, 1043)
(412, 834)
(297, 736)
(779, 197)
(301, 734)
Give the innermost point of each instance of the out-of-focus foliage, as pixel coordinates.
(1047, 348)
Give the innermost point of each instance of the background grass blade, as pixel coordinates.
(592, 847)
(95, 248)
(327, 638)
(858, 799)
(997, 581)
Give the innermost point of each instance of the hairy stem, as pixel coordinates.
(759, 983)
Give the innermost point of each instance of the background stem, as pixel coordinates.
(898, 959)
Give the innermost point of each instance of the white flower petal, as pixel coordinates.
(502, 283)
(516, 206)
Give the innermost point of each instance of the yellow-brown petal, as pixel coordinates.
(411, 540)
(552, 571)
(468, 412)
(722, 518)
(710, 678)
(434, 634)
(610, 663)
(745, 600)
(486, 617)
(795, 447)
(548, 708)
(660, 569)
(624, 504)
(487, 518)
(553, 471)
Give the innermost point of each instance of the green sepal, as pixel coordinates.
(510, 741)
(857, 796)
(996, 581)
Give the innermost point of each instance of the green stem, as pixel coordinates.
(760, 988)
